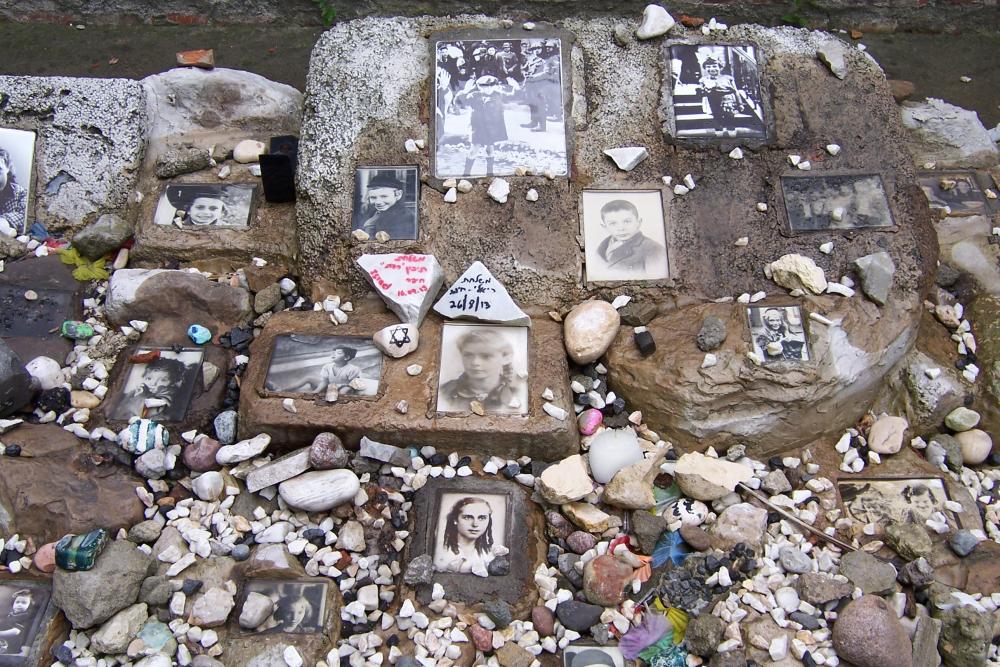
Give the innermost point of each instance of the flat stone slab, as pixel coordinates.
(537, 434)
(27, 326)
(279, 470)
(91, 137)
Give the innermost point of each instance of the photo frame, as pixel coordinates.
(593, 656)
(192, 206)
(24, 606)
(836, 202)
(714, 92)
(300, 605)
(884, 500)
(387, 199)
(956, 193)
(17, 158)
(624, 234)
(172, 377)
(483, 362)
(778, 333)
(315, 365)
(500, 101)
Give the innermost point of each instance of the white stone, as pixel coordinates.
(212, 608)
(249, 150)
(976, 446)
(116, 633)
(554, 411)
(46, 373)
(886, 434)
(793, 271)
(320, 490)
(392, 276)
(451, 196)
(826, 248)
(627, 158)
(397, 340)
(611, 450)
(243, 450)
(531, 195)
(736, 153)
(709, 360)
(833, 149)
(589, 329)
(256, 609)
(292, 657)
(705, 478)
(837, 288)
(208, 486)
(656, 21)
(499, 190)
(478, 295)
(566, 481)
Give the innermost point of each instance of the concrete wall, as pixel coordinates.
(871, 15)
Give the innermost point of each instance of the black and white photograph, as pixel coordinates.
(206, 205)
(162, 388)
(471, 532)
(882, 501)
(385, 200)
(956, 193)
(624, 235)
(331, 367)
(483, 363)
(299, 606)
(22, 605)
(716, 91)
(17, 154)
(844, 201)
(593, 656)
(778, 333)
(498, 105)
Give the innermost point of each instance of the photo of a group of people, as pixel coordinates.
(883, 501)
(17, 154)
(498, 105)
(840, 201)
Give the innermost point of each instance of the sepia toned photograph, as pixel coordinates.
(716, 91)
(299, 606)
(22, 605)
(593, 656)
(499, 105)
(881, 501)
(206, 205)
(845, 201)
(330, 366)
(624, 235)
(162, 388)
(956, 192)
(471, 532)
(778, 334)
(385, 200)
(17, 155)
(487, 364)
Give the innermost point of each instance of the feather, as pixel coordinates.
(652, 628)
(670, 547)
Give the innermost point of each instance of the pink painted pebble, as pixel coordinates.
(544, 621)
(581, 542)
(482, 638)
(589, 421)
(45, 557)
(200, 454)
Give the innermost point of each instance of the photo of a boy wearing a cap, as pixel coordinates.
(205, 205)
(385, 200)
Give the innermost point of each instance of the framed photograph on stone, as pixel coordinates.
(624, 235)
(471, 532)
(957, 193)
(716, 91)
(297, 606)
(499, 103)
(23, 606)
(159, 389)
(206, 205)
(835, 202)
(483, 363)
(17, 155)
(386, 200)
(778, 333)
(593, 656)
(329, 367)
(882, 501)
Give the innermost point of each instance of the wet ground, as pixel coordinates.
(935, 63)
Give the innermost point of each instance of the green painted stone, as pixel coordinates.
(80, 552)
(77, 330)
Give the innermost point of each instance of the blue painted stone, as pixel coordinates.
(80, 552)
(143, 435)
(199, 334)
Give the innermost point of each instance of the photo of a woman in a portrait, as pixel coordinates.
(470, 536)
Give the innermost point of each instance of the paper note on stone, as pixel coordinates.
(406, 282)
(477, 295)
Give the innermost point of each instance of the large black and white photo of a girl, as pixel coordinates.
(471, 532)
(17, 150)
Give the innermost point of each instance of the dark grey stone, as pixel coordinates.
(499, 612)
(15, 383)
(240, 552)
(952, 451)
(155, 590)
(566, 565)
(420, 570)
(868, 573)
(963, 542)
(91, 596)
(102, 236)
(917, 573)
(225, 426)
(947, 276)
(647, 527)
(712, 334)
(182, 160)
(579, 616)
(807, 621)
(703, 634)
(876, 271)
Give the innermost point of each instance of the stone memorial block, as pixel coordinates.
(407, 283)
(28, 628)
(386, 199)
(31, 328)
(477, 295)
(15, 193)
(778, 333)
(882, 501)
(835, 202)
(956, 193)
(500, 102)
(713, 93)
(535, 433)
(483, 536)
(624, 235)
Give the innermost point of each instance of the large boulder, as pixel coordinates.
(965, 636)
(947, 135)
(102, 236)
(868, 634)
(187, 298)
(89, 597)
